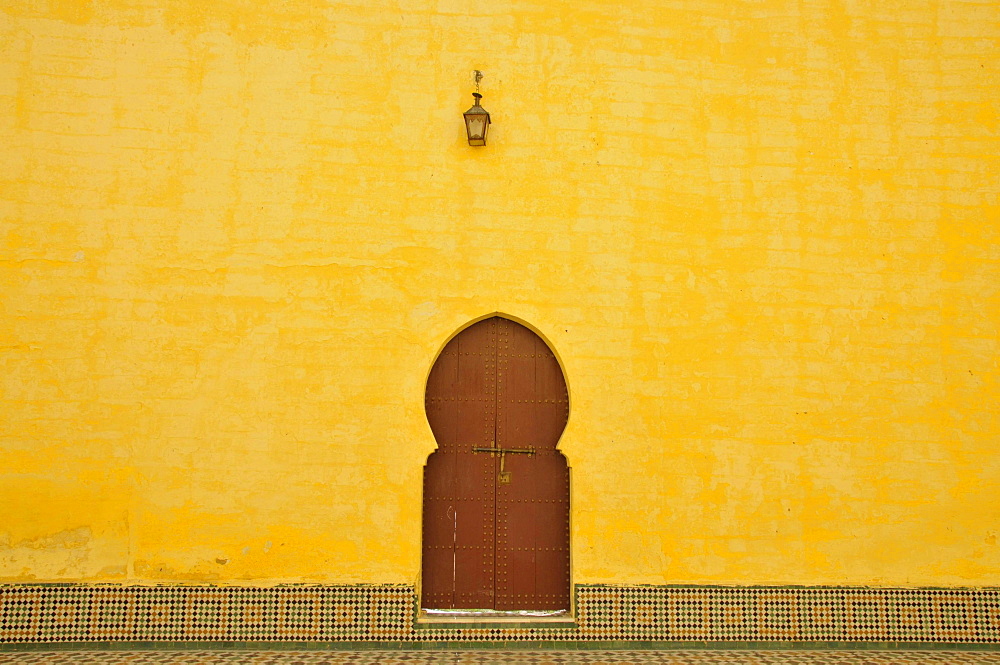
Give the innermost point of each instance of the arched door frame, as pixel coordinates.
(510, 317)
(569, 400)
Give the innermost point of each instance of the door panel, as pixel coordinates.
(533, 509)
(459, 495)
(496, 526)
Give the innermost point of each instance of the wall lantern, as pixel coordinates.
(477, 119)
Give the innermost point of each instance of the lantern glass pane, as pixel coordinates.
(476, 126)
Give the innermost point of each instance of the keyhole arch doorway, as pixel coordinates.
(496, 489)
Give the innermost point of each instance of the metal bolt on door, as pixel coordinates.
(496, 491)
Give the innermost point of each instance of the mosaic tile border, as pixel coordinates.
(385, 614)
(203, 656)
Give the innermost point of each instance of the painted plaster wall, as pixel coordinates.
(761, 236)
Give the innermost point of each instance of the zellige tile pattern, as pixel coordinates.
(385, 614)
(525, 657)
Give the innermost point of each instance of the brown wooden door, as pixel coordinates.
(496, 524)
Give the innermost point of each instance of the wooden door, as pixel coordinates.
(496, 491)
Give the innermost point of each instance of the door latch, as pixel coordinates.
(521, 451)
(504, 477)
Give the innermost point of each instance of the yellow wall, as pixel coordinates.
(763, 237)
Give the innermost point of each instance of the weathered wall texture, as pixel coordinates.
(763, 238)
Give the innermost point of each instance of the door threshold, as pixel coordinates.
(493, 619)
